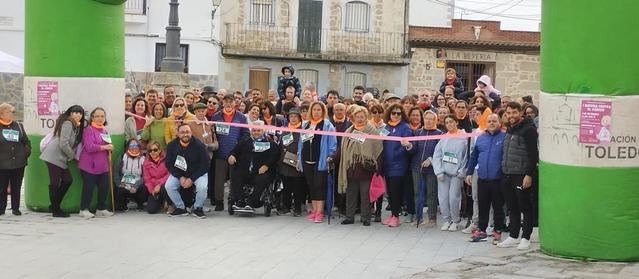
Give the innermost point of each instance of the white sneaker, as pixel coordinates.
(409, 219)
(490, 230)
(470, 229)
(453, 227)
(524, 244)
(509, 242)
(446, 226)
(103, 213)
(86, 214)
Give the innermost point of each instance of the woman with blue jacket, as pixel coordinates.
(449, 164)
(422, 165)
(396, 159)
(313, 155)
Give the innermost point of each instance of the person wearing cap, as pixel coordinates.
(202, 129)
(292, 179)
(391, 99)
(127, 175)
(228, 137)
(207, 92)
(288, 78)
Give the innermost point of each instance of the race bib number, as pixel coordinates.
(383, 131)
(356, 137)
(287, 139)
(180, 163)
(11, 135)
(222, 129)
(106, 138)
(129, 179)
(450, 157)
(307, 137)
(261, 146)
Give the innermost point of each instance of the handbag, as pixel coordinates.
(377, 187)
(290, 159)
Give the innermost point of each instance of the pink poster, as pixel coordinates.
(48, 98)
(594, 123)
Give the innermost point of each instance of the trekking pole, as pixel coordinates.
(111, 182)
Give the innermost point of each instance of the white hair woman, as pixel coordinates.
(15, 148)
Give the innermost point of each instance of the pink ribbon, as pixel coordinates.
(329, 133)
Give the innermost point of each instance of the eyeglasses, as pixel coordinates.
(214, 103)
(154, 150)
(396, 113)
(134, 145)
(178, 105)
(376, 112)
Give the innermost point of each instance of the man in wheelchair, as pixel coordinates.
(254, 160)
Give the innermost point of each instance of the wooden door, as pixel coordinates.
(260, 79)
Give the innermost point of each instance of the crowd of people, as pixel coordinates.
(478, 162)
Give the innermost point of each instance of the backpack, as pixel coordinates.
(45, 141)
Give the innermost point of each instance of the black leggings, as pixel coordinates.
(11, 177)
(316, 181)
(59, 182)
(297, 186)
(89, 181)
(395, 188)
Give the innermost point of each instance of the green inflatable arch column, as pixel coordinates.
(589, 178)
(74, 49)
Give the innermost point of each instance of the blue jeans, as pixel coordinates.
(201, 187)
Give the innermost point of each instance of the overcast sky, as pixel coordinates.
(522, 15)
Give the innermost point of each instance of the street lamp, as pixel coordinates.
(172, 61)
(216, 5)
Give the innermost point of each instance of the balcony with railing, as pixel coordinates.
(269, 41)
(135, 7)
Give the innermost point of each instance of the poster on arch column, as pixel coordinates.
(589, 130)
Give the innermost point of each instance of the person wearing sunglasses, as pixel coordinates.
(213, 105)
(155, 174)
(396, 158)
(128, 177)
(179, 114)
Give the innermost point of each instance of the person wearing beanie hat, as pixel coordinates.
(287, 79)
(295, 187)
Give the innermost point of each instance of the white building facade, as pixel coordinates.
(146, 21)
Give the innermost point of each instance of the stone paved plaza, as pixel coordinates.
(137, 245)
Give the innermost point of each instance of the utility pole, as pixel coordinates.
(172, 61)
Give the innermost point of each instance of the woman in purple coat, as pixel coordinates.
(94, 164)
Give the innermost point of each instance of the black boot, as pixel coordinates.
(59, 193)
(219, 205)
(52, 197)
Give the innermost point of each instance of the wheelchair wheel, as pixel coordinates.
(230, 209)
(267, 209)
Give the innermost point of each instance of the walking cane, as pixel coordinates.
(111, 182)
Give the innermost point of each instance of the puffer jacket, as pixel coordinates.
(154, 173)
(235, 135)
(396, 157)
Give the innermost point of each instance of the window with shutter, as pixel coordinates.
(262, 11)
(357, 16)
(353, 79)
